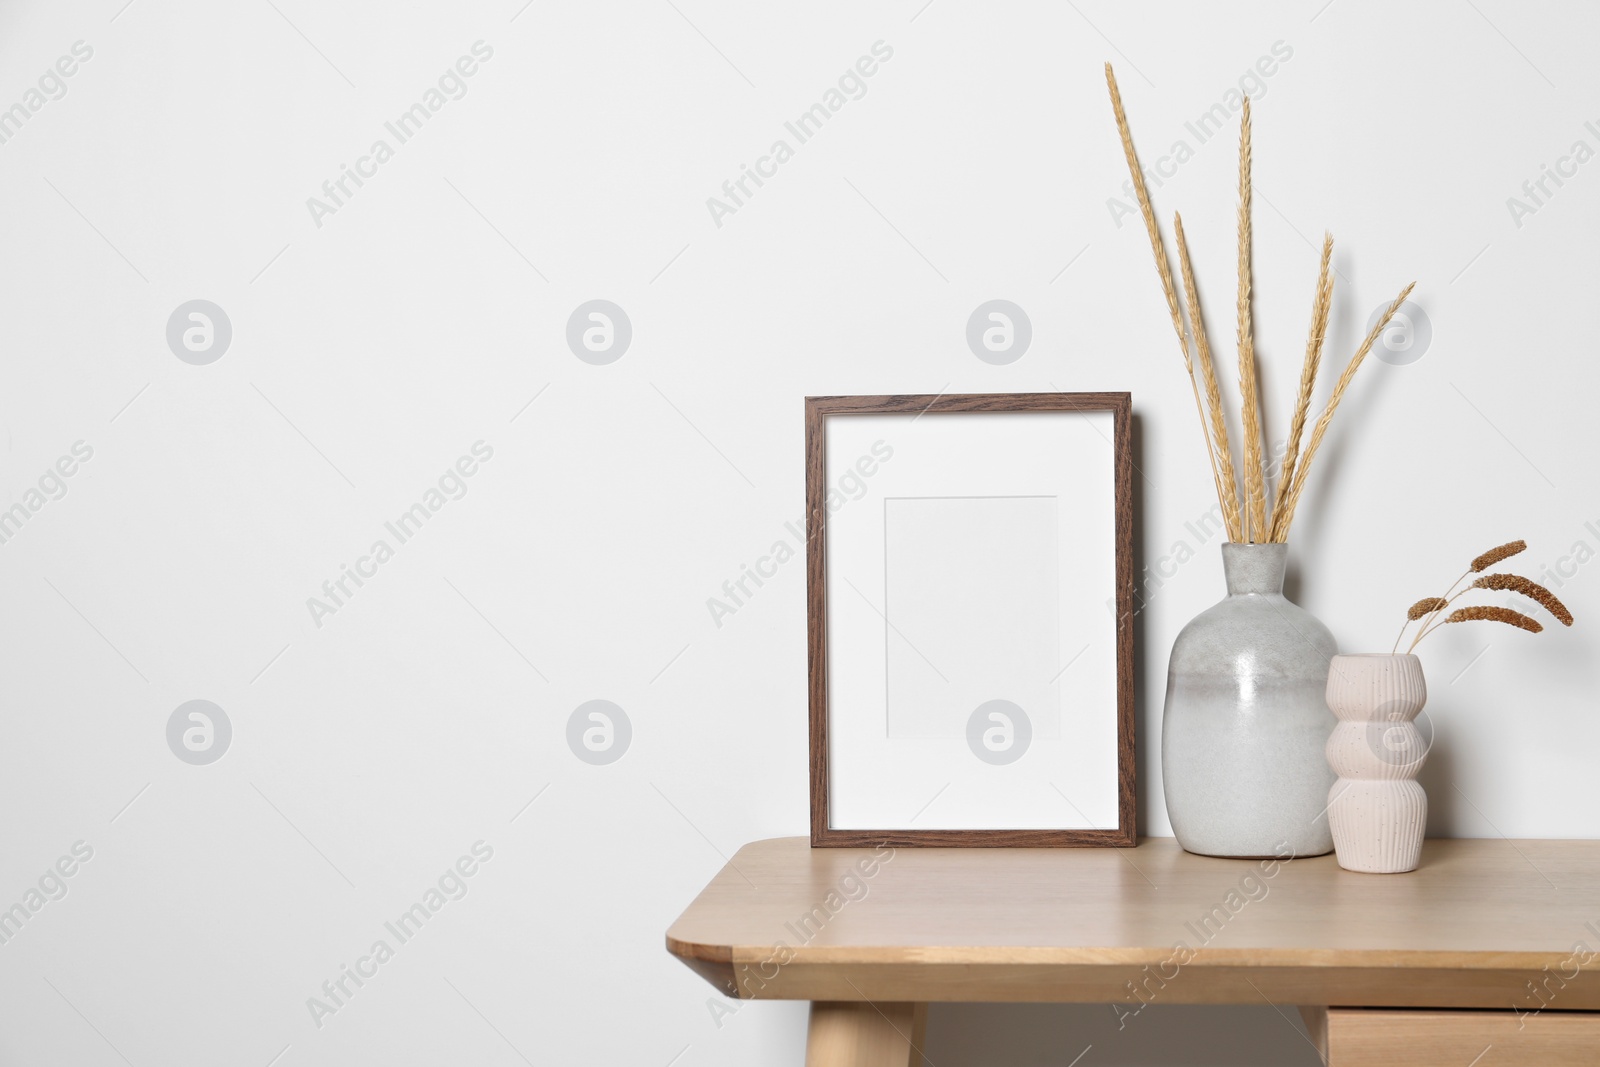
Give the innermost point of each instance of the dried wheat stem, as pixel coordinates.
(1163, 266)
(1227, 485)
(1163, 270)
(1320, 308)
(1333, 403)
(1250, 403)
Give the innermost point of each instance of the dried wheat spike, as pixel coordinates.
(1253, 472)
(1495, 555)
(1326, 417)
(1320, 308)
(1530, 589)
(1424, 606)
(1492, 614)
(1169, 290)
(1222, 452)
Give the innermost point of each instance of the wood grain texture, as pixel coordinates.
(818, 409)
(857, 1034)
(817, 611)
(1470, 928)
(1359, 1037)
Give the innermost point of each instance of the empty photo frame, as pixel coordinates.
(970, 628)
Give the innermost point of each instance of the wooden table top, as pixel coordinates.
(1476, 922)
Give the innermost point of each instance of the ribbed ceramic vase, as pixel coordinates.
(1247, 721)
(1376, 808)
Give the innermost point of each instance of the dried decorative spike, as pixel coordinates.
(1493, 614)
(1248, 512)
(1321, 427)
(1253, 473)
(1320, 309)
(1424, 606)
(1225, 487)
(1516, 583)
(1495, 555)
(1222, 453)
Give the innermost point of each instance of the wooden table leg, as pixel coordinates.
(852, 1034)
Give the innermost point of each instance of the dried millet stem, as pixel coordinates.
(1483, 562)
(1495, 555)
(1478, 612)
(1426, 606)
(1433, 618)
(1516, 583)
(1495, 614)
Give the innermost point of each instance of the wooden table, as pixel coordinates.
(1380, 965)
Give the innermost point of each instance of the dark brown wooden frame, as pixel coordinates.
(819, 408)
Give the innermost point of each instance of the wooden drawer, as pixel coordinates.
(1390, 1037)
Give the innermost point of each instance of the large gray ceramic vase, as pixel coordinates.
(1247, 720)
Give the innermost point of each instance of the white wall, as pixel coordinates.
(371, 351)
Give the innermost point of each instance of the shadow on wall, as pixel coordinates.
(1437, 778)
(1171, 1035)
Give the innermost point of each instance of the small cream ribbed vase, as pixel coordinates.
(1376, 809)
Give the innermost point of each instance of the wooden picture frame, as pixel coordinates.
(820, 413)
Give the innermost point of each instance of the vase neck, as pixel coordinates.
(1254, 568)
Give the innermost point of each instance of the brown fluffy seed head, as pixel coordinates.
(1495, 555)
(1424, 606)
(1516, 583)
(1493, 614)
